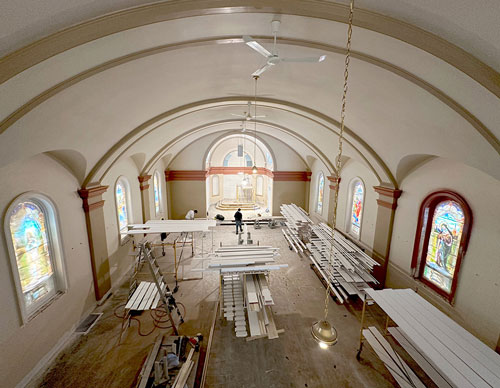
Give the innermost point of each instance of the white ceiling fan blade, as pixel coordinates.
(251, 42)
(261, 70)
(306, 59)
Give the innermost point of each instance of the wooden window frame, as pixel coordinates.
(422, 235)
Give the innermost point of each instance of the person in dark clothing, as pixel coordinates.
(238, 217)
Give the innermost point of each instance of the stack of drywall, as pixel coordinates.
(344, 265)
(297, 226)
(259, 301)
(232, 297)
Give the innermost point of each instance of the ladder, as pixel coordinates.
(166, 295)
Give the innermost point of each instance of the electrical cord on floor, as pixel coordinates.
(159, 316)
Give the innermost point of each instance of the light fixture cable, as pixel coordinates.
(338, 162)
(254, 168)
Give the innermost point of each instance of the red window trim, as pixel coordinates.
(417, 264)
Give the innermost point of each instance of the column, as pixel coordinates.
(96, 231)
(387, 202)
(146, 204)
(334, 182)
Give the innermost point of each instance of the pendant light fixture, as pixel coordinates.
(322, 331)
(254, 168)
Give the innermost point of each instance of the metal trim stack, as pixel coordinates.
(350, 269)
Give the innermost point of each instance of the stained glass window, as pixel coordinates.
(28, 230)
(156, 189)
(121, 205)
(358, 192)
(442, 250)
(321, 186)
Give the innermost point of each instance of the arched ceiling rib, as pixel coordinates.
(387, 102)
(154, 13)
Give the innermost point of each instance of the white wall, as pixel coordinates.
(24, 346)
(119, 260)
(353, 169)
(476, 300)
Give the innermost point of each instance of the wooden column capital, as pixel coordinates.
(143, 181)
(92, 197)
(388, 196)
(334, 181)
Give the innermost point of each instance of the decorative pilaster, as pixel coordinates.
(333, 183)
(96, 231)
(387, 203)
(145, 197)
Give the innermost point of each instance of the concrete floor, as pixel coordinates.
(293, 360)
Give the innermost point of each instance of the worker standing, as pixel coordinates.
(238, 219)
(190, 214)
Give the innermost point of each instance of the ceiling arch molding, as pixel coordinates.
(236, 132)
(149, 126)
(123, 20)
(480, 127)
(159, 154)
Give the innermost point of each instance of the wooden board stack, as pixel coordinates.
(350, 269)
(259, 302)
(244, 285)
(297, 227)
(234, 310)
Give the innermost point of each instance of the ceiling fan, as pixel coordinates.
(247, 116)
(273, 58)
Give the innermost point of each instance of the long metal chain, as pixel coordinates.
(338, 163)
(256, 77)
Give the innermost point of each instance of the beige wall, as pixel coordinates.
(186, 195)
(476, 303)
(119, 260)
(288, 192)
(24, 346)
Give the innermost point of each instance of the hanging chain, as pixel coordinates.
(338, 163)
(256, 77)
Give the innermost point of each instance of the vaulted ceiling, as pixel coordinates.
(152, 79)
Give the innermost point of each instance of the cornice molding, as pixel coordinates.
(388, 191)
(185, 175)
(235, 170)
(291, 176)
(92, 191)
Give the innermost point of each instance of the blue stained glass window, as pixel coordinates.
(321, 187)
(121, 204)
(28, 231)
(156, 189)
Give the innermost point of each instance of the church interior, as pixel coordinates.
(359, 141)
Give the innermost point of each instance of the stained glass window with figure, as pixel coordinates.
(358, 192)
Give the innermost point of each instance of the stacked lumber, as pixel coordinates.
(232, 297)
(244, 285)
(259, 302)
(345, 267)
(349, 270)
(244, 259)
(297, 227)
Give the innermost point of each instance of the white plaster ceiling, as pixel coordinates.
(402, 100)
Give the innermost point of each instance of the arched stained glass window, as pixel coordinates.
(358, 195)
(35, 251)
(122, 205)
(157, 192)
(321, 187)
(441, 240)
